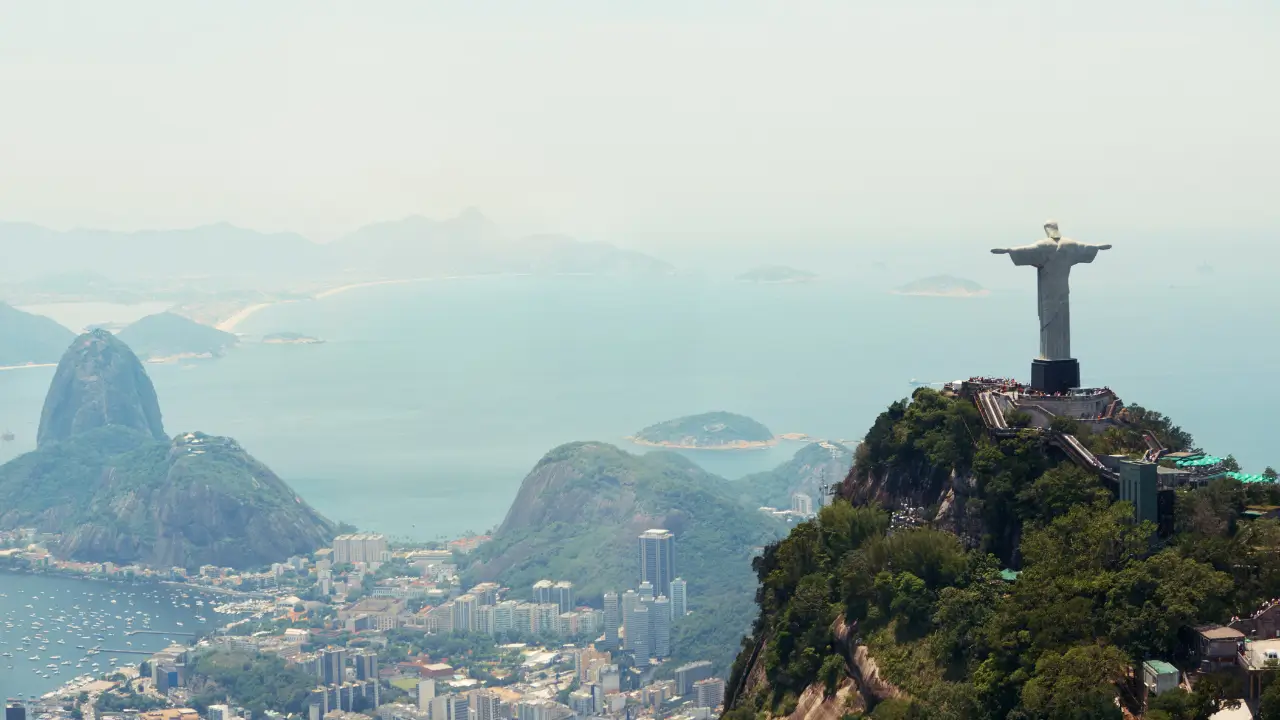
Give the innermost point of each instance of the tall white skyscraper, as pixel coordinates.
(542, 592)
(646, 592)
(660, 627)
(485, 705)
(612, 620)
(360, 547)
(504, 616)
(638, 633)
(426, 693)
(562, 595)
(629, 602)
(708, 693)
(464, 613)
(657, 560)
(679, 599)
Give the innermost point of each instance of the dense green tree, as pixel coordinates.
(1065, 425)
(1076, 684)
(1269, 703)
(1059, 489)
(1149, 601)
(1097, 594)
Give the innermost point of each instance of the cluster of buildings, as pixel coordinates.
(360, 548)
(639, 621)
(348, 680)
(802, 508)
(604, 672)
(550, 612)
(560, 684)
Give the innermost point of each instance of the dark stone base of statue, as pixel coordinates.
(1054, 376)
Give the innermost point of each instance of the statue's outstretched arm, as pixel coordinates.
(1025, 254)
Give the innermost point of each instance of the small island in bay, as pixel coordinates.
(290, 338)
(942, 286)
(708, 431)
(776, 274)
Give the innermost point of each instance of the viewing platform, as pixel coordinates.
(1094, 409)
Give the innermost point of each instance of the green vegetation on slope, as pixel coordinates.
(1096, 593)
(253, 681)
(166, 334)
(580, 511)
(27, 338)
(115, 494)
(707, 430)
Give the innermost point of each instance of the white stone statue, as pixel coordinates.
(1053, 258)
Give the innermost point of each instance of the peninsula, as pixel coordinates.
(707, 431)
(776, 274)
(168, 336)
(942, 286)
(290, 338)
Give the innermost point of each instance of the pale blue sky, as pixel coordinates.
(615, 119)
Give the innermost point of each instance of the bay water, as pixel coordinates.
(429, 402)
(48, 620)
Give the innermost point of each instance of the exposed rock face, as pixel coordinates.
(922, 486)
(99, 382)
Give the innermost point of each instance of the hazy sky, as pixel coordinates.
(634, 119)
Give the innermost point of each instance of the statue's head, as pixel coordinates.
(1051, 229)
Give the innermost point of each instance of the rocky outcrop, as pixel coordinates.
(862, 687)
(99, 382)
(200, 500)
(943, 495)
(105, 478)
(816, 704)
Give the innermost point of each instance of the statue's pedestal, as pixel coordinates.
(1054, 376)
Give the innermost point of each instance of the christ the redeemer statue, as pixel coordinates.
(1053, 257)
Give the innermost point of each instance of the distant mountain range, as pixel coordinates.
(412, 247)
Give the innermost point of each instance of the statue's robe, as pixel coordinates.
(1053, 261)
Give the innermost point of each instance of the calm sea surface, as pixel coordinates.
(429, 402)
(53, 621)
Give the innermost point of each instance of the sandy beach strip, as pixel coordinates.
(230, 323)
(29, 365)
(371, 283)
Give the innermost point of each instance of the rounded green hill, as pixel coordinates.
(708, 431)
